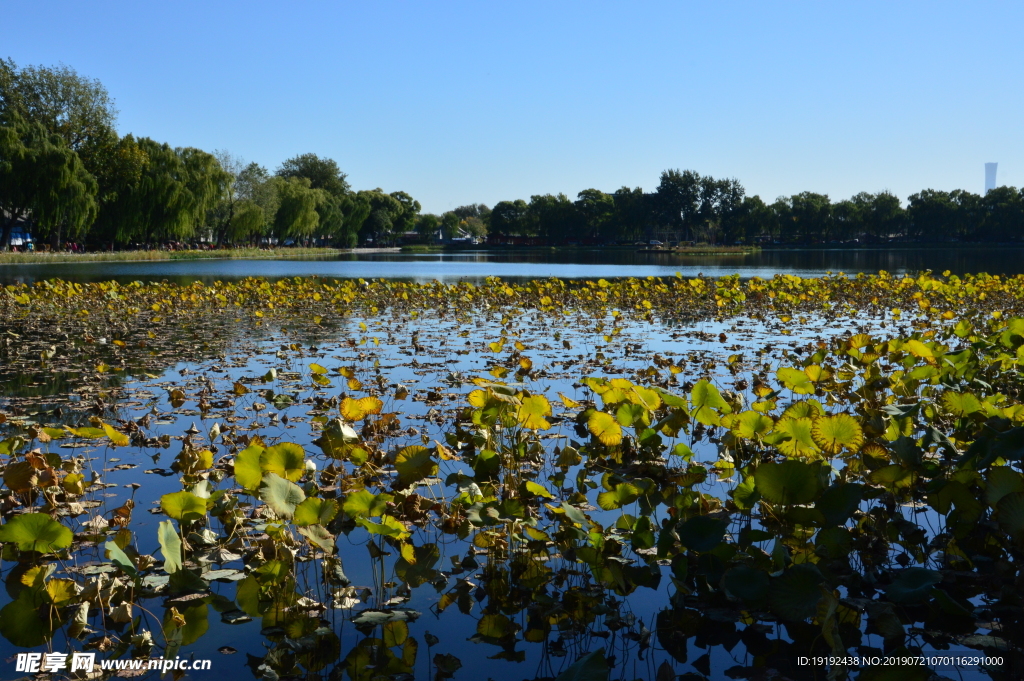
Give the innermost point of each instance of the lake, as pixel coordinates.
(535, 264)
(480, 572)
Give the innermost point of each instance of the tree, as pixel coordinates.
(679, 199)
(755, 218)
(77, 109)
(886, 217)
(552, 217)
(632, 213)
(220, 215)
(322, 173)
(43, 179)
(595, 209)
(404, 220)
(474, 218)
(257, 201)
(451, 225)
(782, 222)
(296, 217)
(848, 220)
(473, 210)
(383, 210)
(427, 226)
(509, 218)
(812, 215)
(1003, 215)
(168, 200)
(931, 215)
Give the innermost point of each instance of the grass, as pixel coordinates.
(133, 256)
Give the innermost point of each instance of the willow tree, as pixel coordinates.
(339, 211)
(256, 193)
(297, 217)
(384, 212)
(76, 108)
(43, 181)
(167, 200)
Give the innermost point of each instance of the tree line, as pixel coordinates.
(67, 175)
(687, 206)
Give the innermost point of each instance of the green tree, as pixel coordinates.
(169, 199)
(679, 200)
(931, 215)
(404, 221)
(886, 217)
(755, 218)
(297, 216)
(474, 218)
(596, 210)
(452, 226)
(77, 109)
(1003, 215)
(427, 226)
(552, 217)
(782, 224)
(812, 216)
(382, 212)
(322, 173)
(42, 179)
(632, 214)
(510, 218)
(257, 194)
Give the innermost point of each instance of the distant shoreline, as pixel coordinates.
(44, 258)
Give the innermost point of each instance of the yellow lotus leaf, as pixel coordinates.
(836, 432)
(605, 428)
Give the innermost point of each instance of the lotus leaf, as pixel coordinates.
(36, 532)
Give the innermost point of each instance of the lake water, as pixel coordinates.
(532, 264)
(438, 355)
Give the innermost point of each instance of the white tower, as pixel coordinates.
(990, 176)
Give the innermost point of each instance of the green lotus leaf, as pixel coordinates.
(281, 495)
(838, 502)
(315, 511)
(796, 380)
(414, 463)
(591, 667)
(248, 472)
(286, 460)
(747, 583)
(170, 546)
(365, 504)
(619, 496)
(1000, 481)
(183, 506)
(913, 585)
(794, 594)
(319, 536)
(788, 482)
(707, 404)
(701, 533)
(36, 532)
(24, 621)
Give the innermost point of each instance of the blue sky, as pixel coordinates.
(459, 102)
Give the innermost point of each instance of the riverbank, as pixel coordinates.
(218, 254)
(626, 248)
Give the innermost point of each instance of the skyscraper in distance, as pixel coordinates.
(990, 176)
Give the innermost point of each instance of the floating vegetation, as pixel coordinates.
(639, 478)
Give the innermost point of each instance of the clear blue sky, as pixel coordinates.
(459, 102)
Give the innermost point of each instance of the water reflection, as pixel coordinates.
(538, 264)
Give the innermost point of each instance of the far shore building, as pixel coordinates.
(990, 176)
